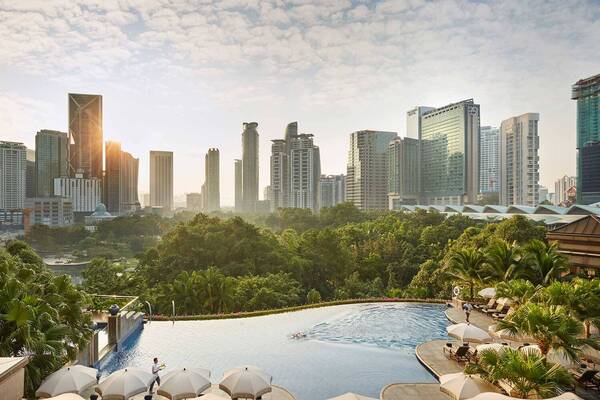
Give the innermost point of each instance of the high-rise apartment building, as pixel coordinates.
(211, 180)
(30, 183)
(279, 174)
(587, 93)
(489, 156)
(367, 169)
(450, 154)
(305, 171)
(51, 160)
(413, 121)
(193, 202)
(85, 135)
(161, 179)
(84, 193)
(519, 160)
(238, 185)
(332, 190)
(120, 180)
(561, 187)
(13, 168)
(403, 172)
(249, 166)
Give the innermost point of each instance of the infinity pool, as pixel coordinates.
(351, 348)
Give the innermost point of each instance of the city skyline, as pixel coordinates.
(345, 73)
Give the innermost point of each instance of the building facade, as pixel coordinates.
(13, 169)
(30, 173)
(519, 160)
(587, 94)
(83, 193)
(489, 156)
(403, 172)
(193, 202)
(120, 180)
(305, 171)
(332, 190)
(238, 185)
(249, 166)
(85, 135)
(54, 212)
(413, 121)
(51, 160)
(279, 174)
(450, 154)
(561, 186)
(367, 169)
(161, 179)
(212, 180)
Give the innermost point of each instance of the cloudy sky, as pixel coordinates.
(183, 75)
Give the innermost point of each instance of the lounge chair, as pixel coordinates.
(588, 380)
(497, 316)
(489, 306)
(500, 309)
(461, 354)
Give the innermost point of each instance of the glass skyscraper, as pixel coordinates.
(450, 154)
(403, 180)
(489, 160)
(587, 93)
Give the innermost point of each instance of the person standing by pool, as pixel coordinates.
(155, 368)
(467, 307)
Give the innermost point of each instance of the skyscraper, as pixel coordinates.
(413, 121)
(450, 154)
(367, 169)
(561, 187)
(305, 171)
(587, 93)
(85, 135)
(120, 180)
(238, 185)
(161, 179)
(519, 160)
(51, 160)
(490, 160)
(84, 193)
(403, 172)
(332, 190)
(13, 168)
(30, 182)
(211, 180)
(249, 166)
(279, 174)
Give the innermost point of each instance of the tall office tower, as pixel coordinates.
(519, 160)
(30, 185)
(249, 166)
(561, 187)
(305, 171)
(120, 180)
(161, 179)
(413, 121)
(332, 190)
(543, 194)
(489, 160)
(267, 193)
(51, 159)
(85, 135)
(587, 93)
(211, 180)
(84, 193)
(238, 185)
(450, 154)
(13, 168)
(403, 172)
(367, 169)
(279, 174)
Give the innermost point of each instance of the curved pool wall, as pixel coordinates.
(315, 353)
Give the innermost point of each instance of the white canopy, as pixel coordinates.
(487, 293)
(351, 396)
(125, 383)
(245, 384)
(461, 386)
(468, 333)
(72, 379)
(184, 383)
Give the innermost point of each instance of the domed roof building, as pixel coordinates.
(99, 215)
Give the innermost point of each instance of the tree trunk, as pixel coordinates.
(586, 329)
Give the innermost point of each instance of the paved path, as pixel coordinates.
(431, 355)
(413, 391)
(477, 318)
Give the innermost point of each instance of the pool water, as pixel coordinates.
(315, 354)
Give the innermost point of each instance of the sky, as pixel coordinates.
(183, 75)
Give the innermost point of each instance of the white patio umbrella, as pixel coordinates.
(461, 386)
(211, 396)
(468, 333)
(351, 396)
(497, 347)
(125, 383)
(493, 396)
(553, 356)
(244, 384)
(487, 293)
(506, 335)
(67, 396)
(566, 396)
(73, 379)
(184, 383)
(252, 368)
(504, 301)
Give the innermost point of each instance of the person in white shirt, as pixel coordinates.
(155, 368)
(467, 307)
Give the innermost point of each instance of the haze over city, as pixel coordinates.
(185, 77)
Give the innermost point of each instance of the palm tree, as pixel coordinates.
(550, 326)
(544, 264)
(465, 265)
(519, 291)
(528, 373)
(581, 298)
(502, 261)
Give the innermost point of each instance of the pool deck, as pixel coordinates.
(413, 391)
(278, 393)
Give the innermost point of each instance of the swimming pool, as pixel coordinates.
(350, 348)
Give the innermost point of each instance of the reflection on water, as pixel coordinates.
(357, 348)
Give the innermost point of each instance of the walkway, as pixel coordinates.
(479, 319)
(413, 391)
